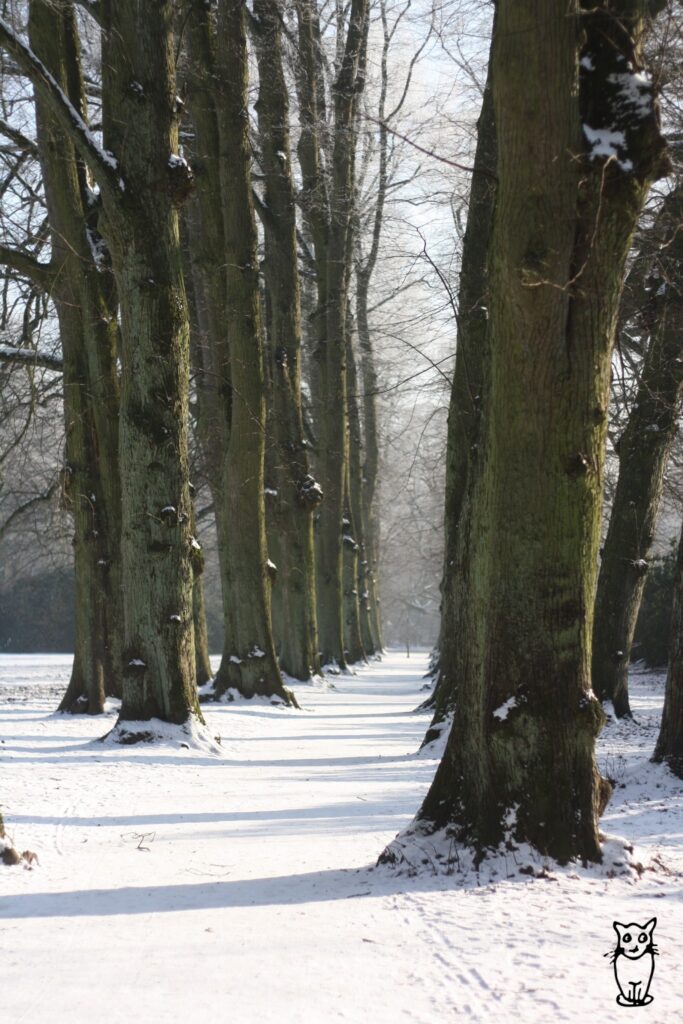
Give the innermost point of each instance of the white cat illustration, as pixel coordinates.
(634, 962)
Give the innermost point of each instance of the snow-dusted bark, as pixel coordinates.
(519, 765)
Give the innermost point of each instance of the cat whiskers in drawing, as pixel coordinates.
(634, 962)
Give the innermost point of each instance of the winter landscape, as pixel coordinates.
(173, 885)
(341, 504)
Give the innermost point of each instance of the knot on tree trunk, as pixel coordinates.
(309, 492)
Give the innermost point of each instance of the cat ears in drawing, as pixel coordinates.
(649, 927)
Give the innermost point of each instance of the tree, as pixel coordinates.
(81, 286)
(218, 53)
(8, 855)
(470, 385)
(519, 764)
(669, 747)
(643, 450)
(327, 201)
(141, 188)
(293, 493)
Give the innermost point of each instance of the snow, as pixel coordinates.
(195, 881)
(607, 143)
(504, 710)
(175, 160)
(635, 91)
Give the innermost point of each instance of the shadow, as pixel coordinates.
(286, 890)
(349, 810)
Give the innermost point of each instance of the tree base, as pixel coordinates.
(421, 850)
(11, 857)
(190, 735)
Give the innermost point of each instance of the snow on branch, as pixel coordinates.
(29, 357)
(102, 163)
(94, 8)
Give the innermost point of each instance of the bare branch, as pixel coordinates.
(103, 164)
(41, 274)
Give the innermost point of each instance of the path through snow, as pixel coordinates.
(174, 886)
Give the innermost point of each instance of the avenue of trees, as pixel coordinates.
(198, 198)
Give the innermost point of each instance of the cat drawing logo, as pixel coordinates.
(634, 962)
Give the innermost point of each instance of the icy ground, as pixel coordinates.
(175, 886)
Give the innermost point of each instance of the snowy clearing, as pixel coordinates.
(180, 886)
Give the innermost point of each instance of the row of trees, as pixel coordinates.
(196, 260)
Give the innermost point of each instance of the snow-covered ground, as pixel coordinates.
(177, 886)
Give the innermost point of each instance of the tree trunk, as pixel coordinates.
(249, 663)
(140, 126)
(82, 292)
(203, 670)
(297, 494)
(8, 855)
(353, 642)
(327, 211)
(468, 391)
(357, 510)
(643, 451)
(669, 748)
(370, 466)
(519, 764)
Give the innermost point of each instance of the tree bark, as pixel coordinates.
(669, 748)
(327, 201)
(643, 451)
(297, 494)
(468, 391)
(140, 116)
(82, 290)
(249, 662)
(370, 465)
(356, 512)
(519, 765)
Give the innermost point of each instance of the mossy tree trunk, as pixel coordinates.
(249, 662)
(643, 451)
(370, 463)
(140, 115)
(351, 553)
(327, 196)
(468, 393)
(356, 513)
(519, 765)
(297, 494)
(82, 289)
(142, 182)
